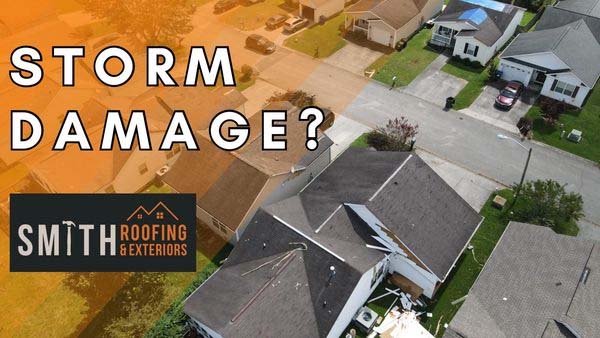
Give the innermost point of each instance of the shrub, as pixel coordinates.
(298, 98)
(547, 203)
(394, 136)
(247, 72)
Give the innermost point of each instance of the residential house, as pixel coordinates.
(476, 29)
(320, 10)
(560, 58)
(535, 284)
(231, 186)
(305, 265)
(389, 21)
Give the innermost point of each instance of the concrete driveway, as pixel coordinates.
(353, 58)
(343, 132)
(483, 108)
(434, 85)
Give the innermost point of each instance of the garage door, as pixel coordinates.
(512, 72)
(379, 35)
(308, 13)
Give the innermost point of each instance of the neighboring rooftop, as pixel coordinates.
(554, 17)
(587, 7)
(536, 283)
(489, 18)
(574, 44)
(226, 184)
(395, 13)
(278, 284)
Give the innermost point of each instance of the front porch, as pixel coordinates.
(443, 36)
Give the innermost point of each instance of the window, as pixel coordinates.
(143, 168)
(564, 88)
(471, 49)
(160, 215)
(444, 31)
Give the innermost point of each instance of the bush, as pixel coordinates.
(247, 72)
(298, 98)
(551, 110)
(548, 204)
(394, 136)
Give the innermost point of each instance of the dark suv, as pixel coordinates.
(276, 21)
(260, 43)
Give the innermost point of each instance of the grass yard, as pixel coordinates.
(248, 18)
(154, 189)
(477, 78)
(360, 142)
(319, 41)
(527, 17)
(587, 120)
(406, 64)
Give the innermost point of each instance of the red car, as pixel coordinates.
(509, 95)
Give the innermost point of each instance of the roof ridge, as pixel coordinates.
(561, 37)
(578, 13)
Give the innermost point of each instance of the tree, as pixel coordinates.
(247, 72)
(147, 21)
(394, 136)
(547, 203)
(298, 98)
(551, 110)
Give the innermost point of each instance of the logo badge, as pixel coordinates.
(102, 232)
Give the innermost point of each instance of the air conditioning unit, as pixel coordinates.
(366, 319)
(162, 171)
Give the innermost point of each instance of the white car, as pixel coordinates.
(294, 24)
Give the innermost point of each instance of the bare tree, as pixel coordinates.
(394, 136)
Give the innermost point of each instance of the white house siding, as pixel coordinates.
(545, 60)
(209, 332)
(407, 268)
(570, 79)
(364, 288)
(485, 53)
(512, 71)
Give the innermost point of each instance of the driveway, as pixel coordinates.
(483, 108)
(434, 85)
(353, 58)
(343, 132)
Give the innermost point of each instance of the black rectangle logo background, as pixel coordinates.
(34, 209)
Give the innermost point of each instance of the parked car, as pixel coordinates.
(276, 21)
(225, 5)
(294, 24)
(509, 95)
(260, 43)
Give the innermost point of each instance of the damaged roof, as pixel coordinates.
(489, 18)
(534, 284)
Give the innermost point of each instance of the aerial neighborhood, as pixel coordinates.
(454, 191)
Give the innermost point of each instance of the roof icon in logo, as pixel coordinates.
(159, 211)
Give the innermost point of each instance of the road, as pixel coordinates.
(458, 138)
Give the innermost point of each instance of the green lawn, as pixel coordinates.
(319, 40)
(477, 78)
(527, 17)
(360, 142)
(587, 120)
(154, 189)
(406, 64)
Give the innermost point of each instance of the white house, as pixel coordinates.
(476, 29)
(317, 10)
(560, 58)
(306, 265)
(389, 21)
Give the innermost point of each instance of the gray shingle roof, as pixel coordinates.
(487, 31)
(574, 44)
(588, 7)
(287, 301)
(555, 17)
(431, 219)
(531, 284)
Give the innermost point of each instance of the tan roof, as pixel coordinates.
(225, 186)
(395, 13)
